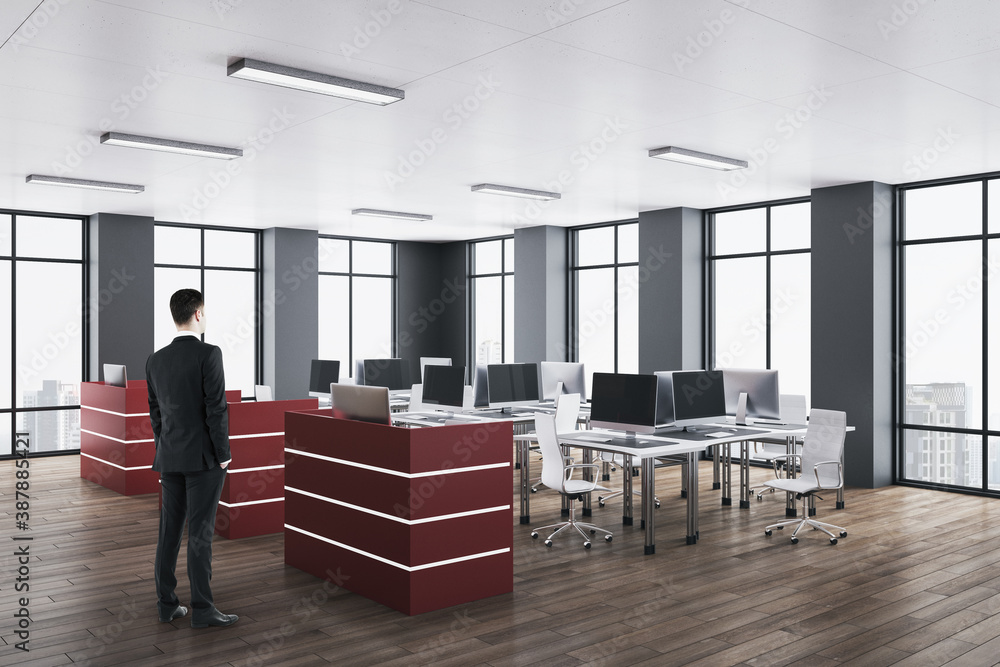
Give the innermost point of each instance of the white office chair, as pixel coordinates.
(792, 409)
(822, 470)
(262, 392)
(416, 399)
(567, 414)
(557, 474)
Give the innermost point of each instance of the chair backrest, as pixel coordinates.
(792, 408)
(262, 392)
(416, 398)
(468, 398)
(824, 441)
(553, 464)
(567, 412)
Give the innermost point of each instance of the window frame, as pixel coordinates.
(471, 278)
(84, 260)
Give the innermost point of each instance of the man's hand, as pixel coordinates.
(225, 464)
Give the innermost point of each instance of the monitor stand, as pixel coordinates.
(741, 409)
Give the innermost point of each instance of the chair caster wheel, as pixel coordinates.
(586, 545)
(607, 538)
(534, 535)
(548, 543)
(592, 531)
(781, 527)
(766, 532)
(795, 540)
(833, 540)
(534, 490)
(657, 504)
(843, 533)
(600, 502)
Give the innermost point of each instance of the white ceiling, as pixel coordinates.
(577, 90)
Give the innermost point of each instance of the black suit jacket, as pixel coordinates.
(187, 406)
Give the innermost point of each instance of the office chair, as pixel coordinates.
(618, 460)
(262, 392)
(792, 408)
(416, 399)
(822, 455)
(567, 413)
(556, 474)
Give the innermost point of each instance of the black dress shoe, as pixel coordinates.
(178, 612)
(216, 618)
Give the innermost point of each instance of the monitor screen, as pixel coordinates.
(624, 401)
(367, 404)
(114, 375)
(763, 401)
(393, 374)
(699, 397)
(569, 373)
(512, 384)
(323, 373)
(444, 385)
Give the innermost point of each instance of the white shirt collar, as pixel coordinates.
(187, 333)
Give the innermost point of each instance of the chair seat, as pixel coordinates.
(797, 485)
(575, 487)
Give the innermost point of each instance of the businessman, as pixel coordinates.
(187, 406)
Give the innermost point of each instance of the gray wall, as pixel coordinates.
(452, 322)
(852, 321)
(671, 287)
(540, 294)
(120, 300)
(290, 310)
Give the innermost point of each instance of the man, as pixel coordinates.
(187, 406)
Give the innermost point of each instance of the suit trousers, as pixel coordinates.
(191, 496)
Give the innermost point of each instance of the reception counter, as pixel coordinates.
(414, 518)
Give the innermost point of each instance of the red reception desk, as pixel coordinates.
(253, 495)
(416, 519)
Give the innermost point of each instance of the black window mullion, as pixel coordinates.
(984, 417)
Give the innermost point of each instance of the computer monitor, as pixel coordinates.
(480, 388)
(664, 398)
(510, 385)
(393, 374)
(752, 393)
(366, 404)
(323, 373)
(699, 397)
(569, 373)
(444, 386)
(624, 401)
(115, 375)
(432, 361)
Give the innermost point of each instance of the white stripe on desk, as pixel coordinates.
(407, 475)
(255, 435)
(112, 412)
(408, 522)
(252, 502)
(407, 568)
(115, 465)
(231, 471)
(109, 437)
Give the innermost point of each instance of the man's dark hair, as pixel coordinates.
(184, 303)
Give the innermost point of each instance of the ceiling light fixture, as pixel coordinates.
(376, 213)
(509, 191)
(699, 159)
(170, 146)
(89, 185)
(313, 82)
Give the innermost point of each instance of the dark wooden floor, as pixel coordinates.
(917, 582)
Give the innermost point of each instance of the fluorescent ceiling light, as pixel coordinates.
(696, 158)
(493, 189)
(376, 213)
(313, 82)
(170, 146)
(89, 185)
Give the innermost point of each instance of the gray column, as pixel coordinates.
(120, 299)
(290, 310)
(452, 325)
(852, 321)
(540, 275)
(671, 290)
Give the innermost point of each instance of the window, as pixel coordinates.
(604, 268)
(357, 300)
(491, 321)
(759, 295)
(947, 354)
(42, 351)
(224, 264)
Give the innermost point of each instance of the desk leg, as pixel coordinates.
(627, 490)
(588, 475)
(727, 474)
(790, 508)
(692, 499)
(744, 474)
(840, 491)
(523, 456)
(715, 469)
(648, 493)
